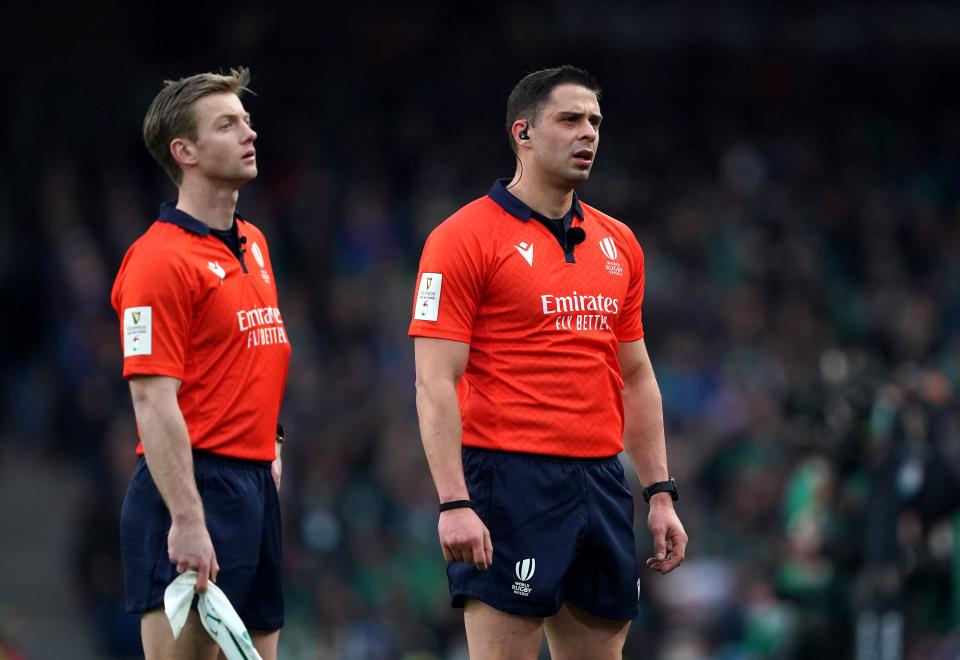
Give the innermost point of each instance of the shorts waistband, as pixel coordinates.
(593, 460)
(209, 457)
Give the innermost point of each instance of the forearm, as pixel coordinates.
(440, 431)
(166, 447)
(643, 433)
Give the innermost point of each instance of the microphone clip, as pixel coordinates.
(574, 237)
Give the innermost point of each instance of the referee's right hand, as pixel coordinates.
(191, 549)
(464, 537)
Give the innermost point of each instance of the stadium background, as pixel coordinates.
(791, 171)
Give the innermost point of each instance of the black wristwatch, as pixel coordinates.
(668, 486)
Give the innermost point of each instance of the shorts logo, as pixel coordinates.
(525, 569)
(609, 248)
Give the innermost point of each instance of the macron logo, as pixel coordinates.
(217, 269)
(526, 251)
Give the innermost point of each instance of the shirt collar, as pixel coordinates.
(170, 213)
(512, 204)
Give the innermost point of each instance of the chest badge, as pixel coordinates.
(217, 269)
(258, 257)
(609, 249)
(526, 251)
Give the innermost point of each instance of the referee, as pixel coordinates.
(532, 377)
(206, 354)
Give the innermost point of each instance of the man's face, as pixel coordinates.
(224, 145)
(567, 134)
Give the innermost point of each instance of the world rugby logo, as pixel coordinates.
(609, 248)
(257, 254)
(525, 569)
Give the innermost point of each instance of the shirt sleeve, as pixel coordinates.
(449, 284)
(630, 325)
(153, 300)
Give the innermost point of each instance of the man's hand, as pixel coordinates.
(464, 537)
(669, 539)
(276, 469)
(190, 548)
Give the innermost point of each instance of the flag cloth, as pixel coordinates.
(216, 613)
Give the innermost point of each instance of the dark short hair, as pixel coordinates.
(171, 113)
(527, 99)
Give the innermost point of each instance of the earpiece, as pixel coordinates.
(523, 134)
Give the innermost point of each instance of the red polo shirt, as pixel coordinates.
(542, 374)
(189, 308)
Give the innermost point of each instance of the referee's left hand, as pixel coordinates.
(276, 470)
(464, 537)
(669, 538)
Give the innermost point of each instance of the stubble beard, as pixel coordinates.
(576, 176)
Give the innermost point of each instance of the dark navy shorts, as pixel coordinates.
(242, 512)
(562, 530)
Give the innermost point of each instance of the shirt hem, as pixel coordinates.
(439, 334)
(153, 371)
(608, 453)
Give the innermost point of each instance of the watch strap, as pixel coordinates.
(668, 486)
(456, 504)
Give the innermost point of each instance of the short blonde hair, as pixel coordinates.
(171, 114)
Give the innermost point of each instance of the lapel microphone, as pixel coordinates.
(575, 236)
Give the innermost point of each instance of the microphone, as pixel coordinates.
(243, 245)
(575, 236)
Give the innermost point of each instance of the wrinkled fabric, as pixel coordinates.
(216, 613)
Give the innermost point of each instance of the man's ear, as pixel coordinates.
(183, 151)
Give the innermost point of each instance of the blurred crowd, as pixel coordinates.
(800, 217)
